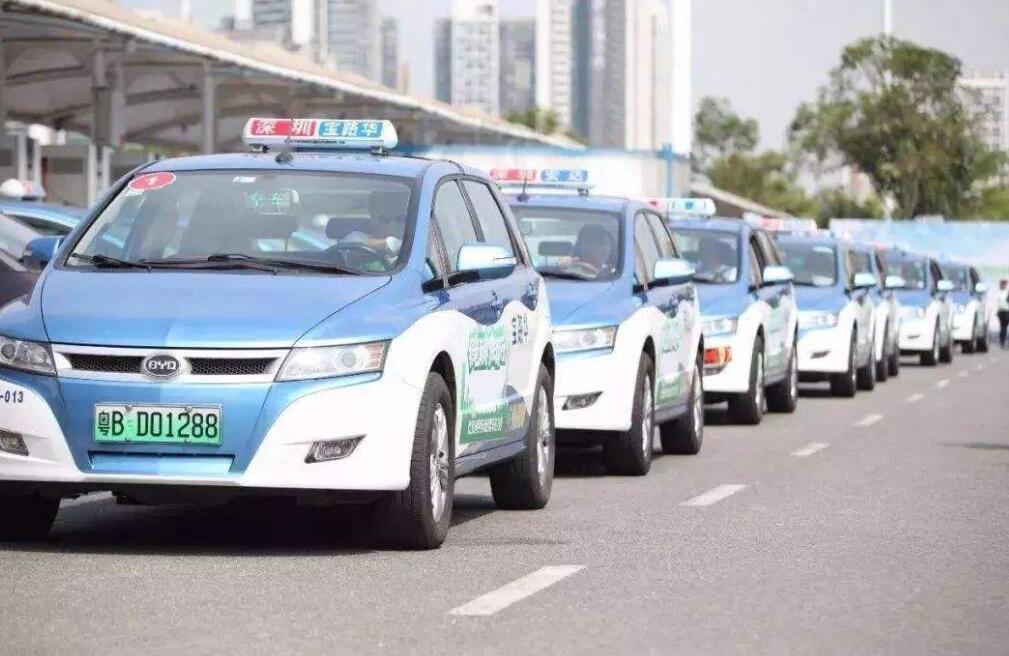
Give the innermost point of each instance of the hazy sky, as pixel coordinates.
(766, 56)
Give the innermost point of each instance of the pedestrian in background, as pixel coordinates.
(1003, 312)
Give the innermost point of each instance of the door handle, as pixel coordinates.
(532, 294)
(496, 303)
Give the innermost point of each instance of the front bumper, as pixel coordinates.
(964, 326)
(604, 373)
(292, 417)
(734, 376)
(917, 335)
(824, 350)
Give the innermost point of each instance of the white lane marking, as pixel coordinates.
(868, 420)
(914, 398)
(962, 374)
(714, 495)
(942, 383)
(516, 591)
(94, 497)
(980, 367)
(810, 449)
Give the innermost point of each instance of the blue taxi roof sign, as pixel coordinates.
(684, 206)
(320, 133)
(578, 179)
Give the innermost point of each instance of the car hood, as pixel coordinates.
(915, 297)
(722, 300)
(819, 298)
(568, 297)
(193, 309)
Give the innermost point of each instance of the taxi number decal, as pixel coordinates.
(13, 396)
(151, 181)
(520, 329)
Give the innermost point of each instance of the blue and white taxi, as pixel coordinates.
(315, 317)
(837, 311)
(926, 328)
(626, 323)
(748, 310)
(970, 306)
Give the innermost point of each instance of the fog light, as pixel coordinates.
(581, 401)
(716, 358)
(325, 451)
(13, 443)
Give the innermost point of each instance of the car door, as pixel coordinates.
(944, 299)
(482, 411)
(778, 297)
(863, 304)
(662, 303)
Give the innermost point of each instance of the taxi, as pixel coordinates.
(403, 340)
(838, 331)
(748, 311)
(625, 312)
(970, 307)
(926, 328)
(867, 259)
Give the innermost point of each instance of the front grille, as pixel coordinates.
(113, 364)
(230, 366)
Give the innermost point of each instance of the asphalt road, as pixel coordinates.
(869, 526)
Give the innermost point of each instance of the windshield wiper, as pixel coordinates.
(232, 260)
(106, 262)
(565, 275)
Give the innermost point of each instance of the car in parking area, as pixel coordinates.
(202, 360)
(970, 306)
(16, 279)
(748, 310)
(837, 312)
(44, 218)
(627, 327)
(867, 259)
(926, 327)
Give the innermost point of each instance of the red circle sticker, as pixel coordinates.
(151, 181)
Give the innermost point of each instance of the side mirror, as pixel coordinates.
(674, 270)
(864, 280)
(894, 282)
(776, 275)
(487, 260)
(944, 286)
(980, 288)
(39, 252)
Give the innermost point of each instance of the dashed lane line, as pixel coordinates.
(962, 374)
(942, 383)
(514, 592)
(868, 420)
(714, 495)
(914, 398)
(810, 449)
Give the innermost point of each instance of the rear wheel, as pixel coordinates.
(748, 408)
(525, 482)
(26, 517)
(419, 517)
(630, 453)
(893, 362)
(684, 435)
(784, 396)
(882, 371)
(846, 384)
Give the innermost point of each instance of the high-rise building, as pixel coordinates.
(556, 54)
(474, 54)
(517, 65)
(443, 60)
(389, 41)
(987, 99)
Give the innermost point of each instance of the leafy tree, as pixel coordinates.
(542, 120)
(892, 109)
(720, 132)
(836, 203)
(765, 178)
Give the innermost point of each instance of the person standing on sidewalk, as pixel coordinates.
(1003, 313)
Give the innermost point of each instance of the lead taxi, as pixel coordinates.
(626, 320)
(314, 318)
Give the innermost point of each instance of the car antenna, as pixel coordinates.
(523, 196)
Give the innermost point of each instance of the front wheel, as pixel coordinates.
(930, 358)
(882, 368)
(684, 435)
(867, 374)
(26, 518)
(525, 482)
(946, 352)
(784, 396)
(748, 408)
(629, 453)
(846, 384)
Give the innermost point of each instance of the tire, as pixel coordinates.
(946, 352)
(784, 396)
(931, 358)
(525, 482)
(846, 384)
(630, 453)
(893, 363)
(982, 340)
(866, 378)
(684, 435)
(749, 408)
(26, 518)
(882, 370)
(419, 517)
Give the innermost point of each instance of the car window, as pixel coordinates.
(666, 247)
(756, 268)
(579, 243)
(644, 242)
(768, 250)
(812, 264)
(46, 228)
(713, 253)
(912, 271)
(959, 276)
(454, 221)
(433, 257)
(489, 216)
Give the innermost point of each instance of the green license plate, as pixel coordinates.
(157, 424)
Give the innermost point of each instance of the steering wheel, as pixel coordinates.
(353, 246)
(587, 268)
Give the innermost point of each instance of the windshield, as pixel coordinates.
(714, 254)
(959, 276)
(812, 264)
(354, 222)
(572, 243)
(913, 273)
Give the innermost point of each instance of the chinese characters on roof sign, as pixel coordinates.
(320, 133)
(572, 178)
(684, 206)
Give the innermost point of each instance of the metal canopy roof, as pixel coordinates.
(161, 67)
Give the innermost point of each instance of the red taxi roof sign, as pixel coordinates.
(320, 133)
(543, 178)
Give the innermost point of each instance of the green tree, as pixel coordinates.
(892, 109)
(719, 131)
(542, 120)
(836, 203)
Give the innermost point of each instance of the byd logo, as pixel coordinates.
(162, 366)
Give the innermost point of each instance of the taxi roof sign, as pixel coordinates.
(320, 133)
(543, 178)
(684, 206)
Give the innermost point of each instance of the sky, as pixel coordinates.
(765, 56)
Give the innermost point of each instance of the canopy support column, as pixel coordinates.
(208, 121)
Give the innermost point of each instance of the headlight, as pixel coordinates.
(908, 312)
(27, 356)
(332, 361)
(587, 339)
(719, 325)
(808, 320)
